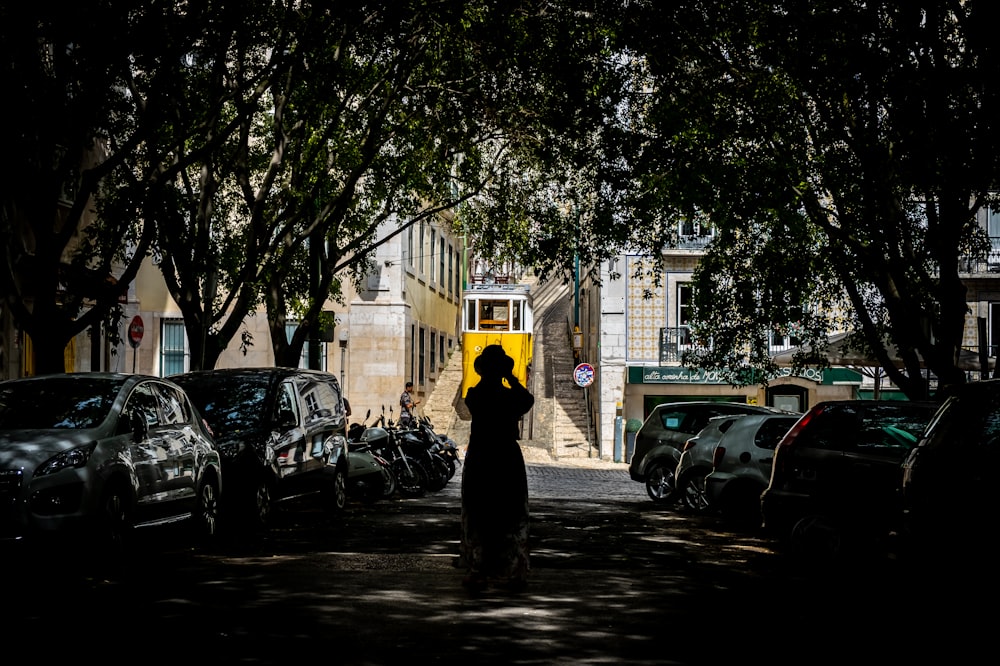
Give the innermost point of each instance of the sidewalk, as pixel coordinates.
(536, 452)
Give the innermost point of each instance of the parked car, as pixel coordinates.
(696, 462)
(92, 455)
(281, 433)
(741, 466)
(835, 477)
(659, 441)
(949, 488)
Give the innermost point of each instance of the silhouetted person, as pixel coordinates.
(494, 483)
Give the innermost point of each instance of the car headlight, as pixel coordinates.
(74, 458)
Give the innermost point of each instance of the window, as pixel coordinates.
(144, 402)
(433, 247)
(286, 407)
(421, 357)
(409, 245)
(494, 315)
(172, 406)
(993, 229)
(691, 228)
(441, 347)
(433, 352)
(470, 315)
(451, 270)
(420, 246)
(174, 355)
(413, 350)
(441, 260)
(322, 398)
(304, 356)
(684, 308)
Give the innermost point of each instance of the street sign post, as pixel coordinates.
(135, 331)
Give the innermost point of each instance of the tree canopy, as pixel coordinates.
(839, 150)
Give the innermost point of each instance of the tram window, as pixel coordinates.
(470, 316)
(516, 319)
(494, 315)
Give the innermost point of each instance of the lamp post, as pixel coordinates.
(343, 356)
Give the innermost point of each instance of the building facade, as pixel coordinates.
(400, 325)
(635, 332)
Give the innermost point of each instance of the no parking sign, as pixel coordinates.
(583, 375)
(135, 331)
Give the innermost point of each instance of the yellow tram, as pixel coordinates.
(496, 314)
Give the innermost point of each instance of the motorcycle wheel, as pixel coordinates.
(449, 460)
(388, 482)
(437, 473)
(410, 479)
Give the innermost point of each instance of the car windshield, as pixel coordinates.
(228, 403)
(56, 402)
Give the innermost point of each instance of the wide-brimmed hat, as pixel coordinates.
(493, 362)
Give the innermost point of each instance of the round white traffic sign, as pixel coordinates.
(583, 375)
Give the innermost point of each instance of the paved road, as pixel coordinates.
(615, 579)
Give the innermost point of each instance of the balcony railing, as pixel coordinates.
(674, 341)
(693, 241)
(989, 264)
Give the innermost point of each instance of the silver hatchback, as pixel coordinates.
(95, 454)
(741, 466)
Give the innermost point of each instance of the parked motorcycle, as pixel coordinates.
(443, 446)
(382, 439)
(370, 476)
(415, 444)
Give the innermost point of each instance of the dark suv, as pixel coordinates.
(281, 433)
(836, 473)
(949, 486)
(659, 441)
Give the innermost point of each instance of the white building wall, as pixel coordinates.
(612, 348)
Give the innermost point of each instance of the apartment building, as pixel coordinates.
(400, 325)
(635, 333)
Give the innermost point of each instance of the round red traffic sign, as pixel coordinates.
(135, 330)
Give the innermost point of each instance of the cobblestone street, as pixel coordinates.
(615, 579)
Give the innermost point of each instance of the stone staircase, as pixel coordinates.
(441, 406)
(568, 433)
(557, 425)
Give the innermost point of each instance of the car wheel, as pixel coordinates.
(660, 483)
(206, 514)
(261, 504)
(114, 524)
(335, 491)
(817, 537)
(691, 489)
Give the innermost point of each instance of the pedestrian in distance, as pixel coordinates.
(407, 404)
(494, 543)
